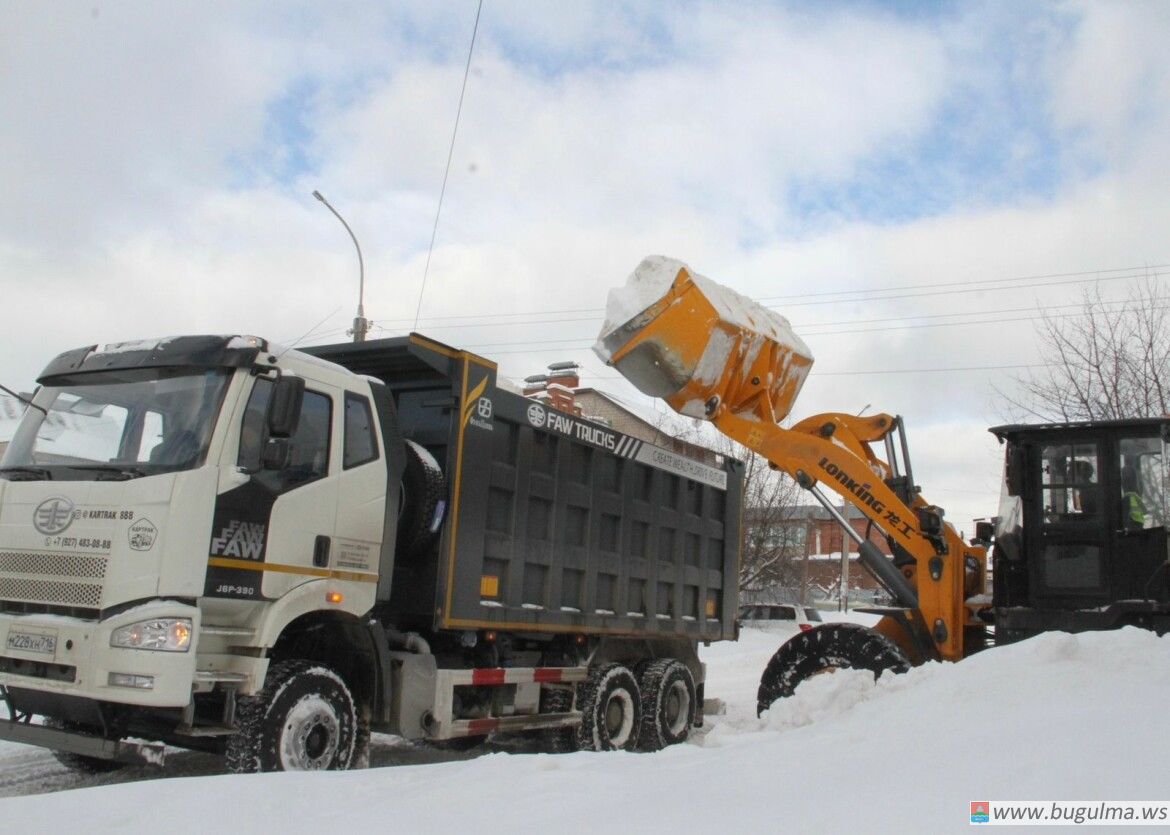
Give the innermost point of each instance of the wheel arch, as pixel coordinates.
(348, 646)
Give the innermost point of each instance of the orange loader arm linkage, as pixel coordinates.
(714, 355)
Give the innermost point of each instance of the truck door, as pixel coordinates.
(276, 530)
(1068, 538)
(1139, 522)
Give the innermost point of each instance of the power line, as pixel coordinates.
(447, 170)
(584, 343)
(1081, 277)
(801, 326)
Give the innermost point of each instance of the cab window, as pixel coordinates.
(308, 457)
(1140, 483)
(361, 445)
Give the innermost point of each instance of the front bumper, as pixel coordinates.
(132, 752)
(81, 659)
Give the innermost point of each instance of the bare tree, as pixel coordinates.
(1110, 360)
(774, 534)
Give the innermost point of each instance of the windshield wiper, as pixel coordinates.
(37, 473)
(113, 472)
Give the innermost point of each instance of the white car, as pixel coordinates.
(787, 618)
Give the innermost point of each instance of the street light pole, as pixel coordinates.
(361, 325)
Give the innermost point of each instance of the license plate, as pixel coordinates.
(32, 642)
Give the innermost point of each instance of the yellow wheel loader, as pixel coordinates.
(1080, 541)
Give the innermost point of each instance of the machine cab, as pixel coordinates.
(1083, 522)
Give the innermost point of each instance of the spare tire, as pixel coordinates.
(423, 501)
(832, 646)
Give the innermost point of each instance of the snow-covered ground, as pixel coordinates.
(1058, 717)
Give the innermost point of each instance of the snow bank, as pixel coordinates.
(1058, 717)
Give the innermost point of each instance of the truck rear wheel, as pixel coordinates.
(303, 720)
(611, 710)
(558, 740)
(423, 488)
(832, 646)
(668, 703)
(79, 762)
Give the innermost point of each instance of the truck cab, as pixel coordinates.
(1081, 536)
(112, 591)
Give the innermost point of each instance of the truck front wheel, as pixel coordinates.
(303, 720)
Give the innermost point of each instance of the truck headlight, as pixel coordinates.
(165, 634)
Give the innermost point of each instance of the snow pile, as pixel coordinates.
(1059, 717)
(737, 330)
(651, 280)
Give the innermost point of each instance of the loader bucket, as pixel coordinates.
(701, 347)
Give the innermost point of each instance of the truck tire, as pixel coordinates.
(423, 488)
(668, 703)
(79, 762)
(303, 720)
(558, 740)
(832, 646)
(611, 710)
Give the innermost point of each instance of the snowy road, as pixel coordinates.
(1059, 717)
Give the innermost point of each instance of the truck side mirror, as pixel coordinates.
(276, 454)
(1015, 471)
(984, 531)
(284, 406)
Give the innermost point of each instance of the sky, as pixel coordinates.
(912, 184)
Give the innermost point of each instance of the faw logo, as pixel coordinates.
(244, 540)
(53, 516)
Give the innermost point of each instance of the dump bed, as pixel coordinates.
(553, 523)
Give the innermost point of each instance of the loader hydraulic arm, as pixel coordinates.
(834, 450)
(714, 355)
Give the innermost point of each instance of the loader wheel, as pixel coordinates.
(79, 762)
(611, 710)
(833, 646)
(303, 720)
(423, 488)
(558, 740)
(668, 703)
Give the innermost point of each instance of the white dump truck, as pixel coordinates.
(215, 543)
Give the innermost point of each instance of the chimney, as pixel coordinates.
(567, 374)
(558, 386)
(535, 384)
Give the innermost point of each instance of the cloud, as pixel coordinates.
(162, 159)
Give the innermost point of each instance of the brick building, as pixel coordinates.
(561, 389)
(814, 540)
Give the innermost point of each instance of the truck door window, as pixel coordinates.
(308, 458)
(1070, 482)
(1140, 483)
(361, 446)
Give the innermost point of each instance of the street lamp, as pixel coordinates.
(361, 325)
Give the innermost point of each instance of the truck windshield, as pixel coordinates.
(117, 424)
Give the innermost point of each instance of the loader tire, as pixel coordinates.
(79, 762)
(304, 719)
(423, 490)
(832, 646)
(668, 703)
(611, 710)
